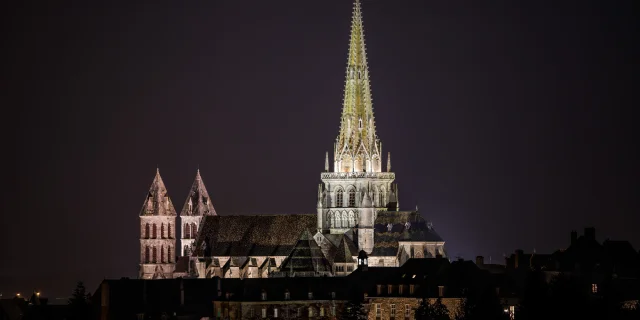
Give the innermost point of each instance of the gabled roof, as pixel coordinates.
(345, 252)
(405, 226)
(157, 202)
(258, 235)
(198, 202)
(306, 256)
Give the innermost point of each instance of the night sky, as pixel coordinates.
(509, 124)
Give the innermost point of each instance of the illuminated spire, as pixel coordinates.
(357, 147)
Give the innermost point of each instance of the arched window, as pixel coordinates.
(169, 257)
(162, 254)
(146, 231)
(154, 257)
(336, 220)
(169, 231)
(340, 198)
(155, 231)
(187, 231)
(352, 219)
(352, 198)
(345, 221)
(146, 254)
(162, 231)
(194, 231)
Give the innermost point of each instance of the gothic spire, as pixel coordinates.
(158, 202)
(198, 202)
(357, 140)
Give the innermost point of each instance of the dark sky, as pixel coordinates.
(510, 123)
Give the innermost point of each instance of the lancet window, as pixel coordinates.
(147, 232)
(187, 231)
(146, 254)
(169, 257)
(169, 231)
(162, 254)
(155, 231)
(352, 198)
(154, 257)
(162, 231)
(194, 231)
(340, 198)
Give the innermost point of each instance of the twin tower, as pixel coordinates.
(158, 232)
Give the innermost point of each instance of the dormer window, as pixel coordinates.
(264, 296)
(389, 226)
(310, 295)
(287, 295)
(407, 225)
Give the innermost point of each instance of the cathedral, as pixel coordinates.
(357, 210)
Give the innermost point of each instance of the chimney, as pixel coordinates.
(574, 236)
(479, 260)
(590, 233)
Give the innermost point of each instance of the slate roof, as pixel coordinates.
(258, 235)
(306, 256)
(156, 202)
(345, 251)
(386, 242)
(200, 201)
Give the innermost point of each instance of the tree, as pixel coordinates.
(79, 304)
(439, 311)
(432, 311)
(353, 310)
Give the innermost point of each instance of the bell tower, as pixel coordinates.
(157, 233)
(353, 192)
(197, 205)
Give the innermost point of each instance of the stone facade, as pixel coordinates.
(357, 209)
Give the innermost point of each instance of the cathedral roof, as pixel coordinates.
(198, 202)
(157, 202)
(404, 226)
(346, 250)
(258, 235)
(306, 256)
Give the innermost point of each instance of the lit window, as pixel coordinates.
(400, 289)
(393, 310)
(440, 291)
(389, 289)
(322, 311)
(594, 288)
(407, 311)
(411, 288)
(379, 291)
(264, 296)
(333, 310)
(378, 311)
(275, 312)
(287, 295)
(264, 312)
(310, 312)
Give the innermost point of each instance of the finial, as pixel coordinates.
(326, 161)
(157, 169)
(389, 162)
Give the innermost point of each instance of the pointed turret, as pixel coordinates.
(158, 202)
(357, 145)
(198, 202)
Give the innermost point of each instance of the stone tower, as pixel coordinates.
(197, 205)
(350, 196)
(157, 233)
